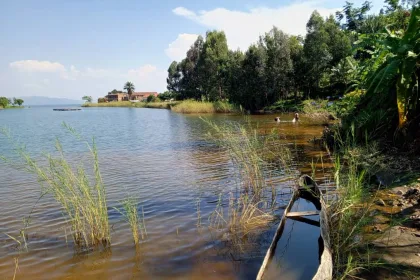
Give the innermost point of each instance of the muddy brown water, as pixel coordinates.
(162, 159)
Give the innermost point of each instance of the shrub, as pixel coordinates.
(151, 98)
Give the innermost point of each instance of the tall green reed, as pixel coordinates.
(130, 213)
(82, 197)
(254, 156)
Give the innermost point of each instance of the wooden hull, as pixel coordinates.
(307, 189)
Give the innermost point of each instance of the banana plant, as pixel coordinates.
(398, 67)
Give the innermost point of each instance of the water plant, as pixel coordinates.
(82, 197)
(254, 155)
(130, 214)
(202, 107)
(16, 267)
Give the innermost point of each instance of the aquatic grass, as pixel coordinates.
(194, 107)
(81, 197)
(203, 107)
(252, 153)
(16, 267)
(158, 105)
(111, 104)
(351, 211)
(254, 156)
(130, 214)
(243, 216)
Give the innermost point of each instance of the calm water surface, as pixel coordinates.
(163, 159)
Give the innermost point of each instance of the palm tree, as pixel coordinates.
(129, 87)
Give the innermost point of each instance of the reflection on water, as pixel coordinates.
(300, 242)
(164, 160)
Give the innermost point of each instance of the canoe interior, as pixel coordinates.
(301, 239)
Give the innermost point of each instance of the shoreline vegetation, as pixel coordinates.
(9, 103)
(184, 107)
(359, 68)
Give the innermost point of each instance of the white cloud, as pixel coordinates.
(178, 48)
(243, 28)
(142, 71)
(47, 79)
(147, 78)
(181, 11)
(37, 66)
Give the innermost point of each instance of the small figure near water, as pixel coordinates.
(296, 118)
(277, 119)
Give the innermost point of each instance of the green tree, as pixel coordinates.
(213, 65)
(87, 98)
(192, 78)
(151, 98)
(278, 64)
(354, 17)
(316, 53)
(129, 87)
(19, 101)
(254, 93)
(297, 75)
(235, 76)
(167, 95)
(339, 45)
(174, 77)
(4, 102)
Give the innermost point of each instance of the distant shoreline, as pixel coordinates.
(12, 107)
(184, 107)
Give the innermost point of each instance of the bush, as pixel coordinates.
(101, 100)
(347, 104)
(285, 106)
(4, 102)
(151, 98)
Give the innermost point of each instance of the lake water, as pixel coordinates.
(163, 159)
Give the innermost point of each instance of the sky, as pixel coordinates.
(72, 48)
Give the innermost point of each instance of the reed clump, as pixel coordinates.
(130, 214)
(81, 197)
(110, 104)
(194, 107)
(203, 107)
(351, 210)
(157, 105)
(254, 156)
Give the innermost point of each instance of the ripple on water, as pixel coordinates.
(162, 159)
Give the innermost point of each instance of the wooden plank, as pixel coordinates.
(306, 221)
(303, 213)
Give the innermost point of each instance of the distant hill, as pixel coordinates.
(43, 100)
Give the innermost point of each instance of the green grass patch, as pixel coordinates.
(202, 107)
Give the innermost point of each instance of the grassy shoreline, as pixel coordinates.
(184, 107)
(11, 107)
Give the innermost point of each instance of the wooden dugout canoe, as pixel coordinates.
(307, 189)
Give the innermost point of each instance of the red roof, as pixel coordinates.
(144, 94)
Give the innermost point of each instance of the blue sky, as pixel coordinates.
(72, 48)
